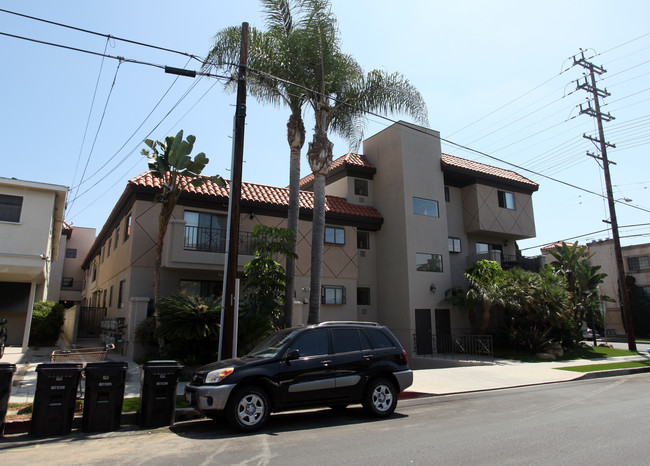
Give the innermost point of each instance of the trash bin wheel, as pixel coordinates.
(248, 408)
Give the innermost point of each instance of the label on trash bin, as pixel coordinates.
(57, 387)
(105, 384)
(162, 383)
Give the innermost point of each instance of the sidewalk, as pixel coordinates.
(441, 381)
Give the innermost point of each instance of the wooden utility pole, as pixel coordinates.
(228, 337)
(596, 113)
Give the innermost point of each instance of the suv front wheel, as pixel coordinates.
(248, 408)
(380, 399)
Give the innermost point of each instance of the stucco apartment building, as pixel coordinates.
(31, 219)
(403, 221)
(636, 262)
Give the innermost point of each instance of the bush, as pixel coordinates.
(47, 321)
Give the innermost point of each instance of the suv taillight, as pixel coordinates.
(406, 358)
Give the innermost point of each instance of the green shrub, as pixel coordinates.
(47, 321)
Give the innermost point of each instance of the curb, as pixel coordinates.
(613, 373)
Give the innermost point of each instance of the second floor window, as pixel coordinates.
(360, 187)
(428, 262)
(127, 227)
(10, 208)
(638, 263)
(334, 235)
(71, 253)
(363, 240)
(454, 244)
(67, 282)
(332, 295)
(205, 231)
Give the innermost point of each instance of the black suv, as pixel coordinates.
(329, 364)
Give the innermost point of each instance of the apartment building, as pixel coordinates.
(403, 221)
(31, 219)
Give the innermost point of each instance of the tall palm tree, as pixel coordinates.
(275, 53)
(340, 96)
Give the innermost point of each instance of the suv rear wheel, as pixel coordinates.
(380, 399)
(248, 408)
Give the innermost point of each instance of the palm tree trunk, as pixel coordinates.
(317, 245)
(296, 139)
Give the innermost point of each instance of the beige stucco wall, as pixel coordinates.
(482, 213)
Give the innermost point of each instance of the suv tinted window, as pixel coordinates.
(312, 343)
(345, 340)
(378, 338)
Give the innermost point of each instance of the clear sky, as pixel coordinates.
(496, 76)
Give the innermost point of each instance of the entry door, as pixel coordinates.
(443, 331)
(423, 331)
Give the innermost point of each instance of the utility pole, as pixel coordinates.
(229, 299)
(596, 113)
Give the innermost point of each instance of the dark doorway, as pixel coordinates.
(423, 333)
(443, 331)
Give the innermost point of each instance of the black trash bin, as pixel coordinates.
(54, 401)
(6, 376)
(158, 393)
(104, 396)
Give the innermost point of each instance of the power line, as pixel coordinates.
(107, 36)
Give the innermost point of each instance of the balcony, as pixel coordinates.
(213, 240)
(509, 261)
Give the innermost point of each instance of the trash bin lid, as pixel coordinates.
(107, 365)
(162, 363)
(7, 367)
(71, 366)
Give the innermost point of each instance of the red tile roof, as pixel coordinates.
(350, 159)
(271, 195)
(458, 162)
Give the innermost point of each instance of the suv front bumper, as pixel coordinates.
(208, 397)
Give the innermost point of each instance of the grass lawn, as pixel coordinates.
(591, 352)
(606, 366)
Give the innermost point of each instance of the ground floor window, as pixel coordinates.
(332, 294)
(428, 262)
(201, 288)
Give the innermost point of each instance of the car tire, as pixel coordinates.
(248, 408)
(380, 398)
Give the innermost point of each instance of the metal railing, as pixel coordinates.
(455, 346)
(213, 240)
(532, 264)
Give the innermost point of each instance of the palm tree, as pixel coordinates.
(275, 53)
(341, 96)
(485, 279)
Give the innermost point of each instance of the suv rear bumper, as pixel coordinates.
(404, 379)
(208, 397)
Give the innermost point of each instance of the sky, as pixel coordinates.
(497, 76)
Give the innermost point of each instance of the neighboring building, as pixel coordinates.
(31, 218)
(636, 262)
(67, 276)
(403, 221)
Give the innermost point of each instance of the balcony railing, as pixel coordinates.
(532, 264)
(213, 240)
(454, 346)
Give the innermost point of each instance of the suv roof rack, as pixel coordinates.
(349, 322)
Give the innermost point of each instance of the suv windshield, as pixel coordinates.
(272, 345)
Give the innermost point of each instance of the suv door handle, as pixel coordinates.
(326, 362)
(368, 356)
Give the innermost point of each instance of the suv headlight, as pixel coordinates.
(218, 375)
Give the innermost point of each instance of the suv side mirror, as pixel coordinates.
(293, 355)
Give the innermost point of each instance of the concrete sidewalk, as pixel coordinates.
(440, 381)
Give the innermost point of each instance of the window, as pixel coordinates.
(334, 235)
(117, 237)
(93, 267)
(205, 231)
(425, 207)
(360, 187)
(646, 290)
(454, 244)
(332, 295)
(110, 296)
(447, 194)
(127, 227)
(378, 338)
(363, 240)
(71, 253)
(363, 296)
(345, 340)
(202, 288)
(506, 200)
(108, 248)
(104, 299)
(638, 263)
(66, 282)
(312, 343)
(10, 208)
(120, 294)
(482, 248)
(428, 262)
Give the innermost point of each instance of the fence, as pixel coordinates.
(90, 319)
(458, 346)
